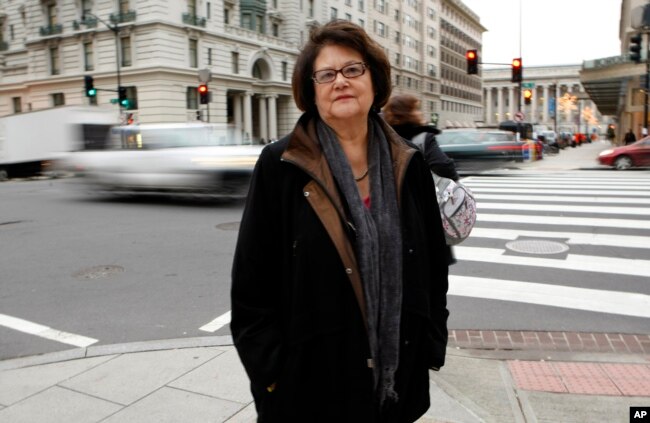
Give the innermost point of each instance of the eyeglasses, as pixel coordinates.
(353, 70)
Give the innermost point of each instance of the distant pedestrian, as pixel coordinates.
(630, 137)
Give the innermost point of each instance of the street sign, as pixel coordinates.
(205, 76)
(519, 116)
(528, 85)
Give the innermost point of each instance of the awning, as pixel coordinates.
(607, 93)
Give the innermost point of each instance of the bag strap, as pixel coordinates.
(419, 139)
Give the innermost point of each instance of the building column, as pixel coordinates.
(545, 104)
(264, 132)
(273, 117)
(533, 106)
(500, 104)
(511, 102)
(237, 111)
(248, 117)
(488, 105)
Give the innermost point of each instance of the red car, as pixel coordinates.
(627, 156)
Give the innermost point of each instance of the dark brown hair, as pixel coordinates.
(344, 33)
(399, 110)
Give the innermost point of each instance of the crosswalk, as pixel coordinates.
(601, 218)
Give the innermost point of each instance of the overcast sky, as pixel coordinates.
(554, 32)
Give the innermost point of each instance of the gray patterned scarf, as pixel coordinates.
(378, 248)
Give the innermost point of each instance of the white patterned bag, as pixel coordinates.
(456, 202)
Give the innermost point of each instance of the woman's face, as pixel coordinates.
(342, 99)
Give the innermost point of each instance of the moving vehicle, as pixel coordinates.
(624, 157)
(181, 158)
(31, 141)
(475, 150)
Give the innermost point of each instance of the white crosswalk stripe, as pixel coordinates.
(582, 210)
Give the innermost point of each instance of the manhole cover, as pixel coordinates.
(98, 272)
(533, 246)
(230, 226)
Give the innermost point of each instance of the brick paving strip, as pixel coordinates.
(586, 378)
(550, 341)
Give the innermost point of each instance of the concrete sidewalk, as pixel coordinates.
(202, 380)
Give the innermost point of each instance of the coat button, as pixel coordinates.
(348, 271)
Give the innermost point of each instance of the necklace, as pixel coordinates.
(362, 176)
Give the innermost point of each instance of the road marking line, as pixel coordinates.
(640, 211)
(47, 332)
(564, 220)
(543, 183)
(602, 301)
(556, 191)
(574, 262)
(562, 199)
(628, 241)
(217, 323)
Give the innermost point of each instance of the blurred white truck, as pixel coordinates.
(31, 141)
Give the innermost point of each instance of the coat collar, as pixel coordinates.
(304, 150)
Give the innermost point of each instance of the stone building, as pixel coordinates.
(157, 48)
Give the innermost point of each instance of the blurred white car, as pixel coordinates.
(186, 158)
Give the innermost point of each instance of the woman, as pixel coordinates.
(339, 274)
(404, 114)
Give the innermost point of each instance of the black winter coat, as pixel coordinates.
(297, 303)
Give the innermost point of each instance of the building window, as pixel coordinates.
(18, 107)
(226, 16)
(88, 57)
(246, 20)
(362, 23)
(348, 17)
(310, 8)
(124, 6)
(361, 5)
(209, 56)
(51, 15)
(192, 98)
(276, 30)
(208, 10)
(259, 24)
(194, 62)
(191, 7)
(54, 61)
(86, 7)
(58, 99)
(348, 2)
(380, 6)
(333, 13)
(125, 43)
(284, 71)
(380, 29)
(234, 56)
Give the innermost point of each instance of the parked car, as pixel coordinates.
(552, 139)
(475, 150)
(187, 158)
(627, 156)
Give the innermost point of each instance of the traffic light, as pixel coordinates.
(635, 48)
(472, 62)
(528, 96)
(517, 74)
(122, 98)
(204, 94)
(89, 83)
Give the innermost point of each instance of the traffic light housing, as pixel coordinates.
(89, 84)
(517, 70)
(472, 62)
(122, 97)
(204, 94)
(528, 96)
(635, 48)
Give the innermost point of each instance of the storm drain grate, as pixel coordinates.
(98, 272)
(536, 246)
